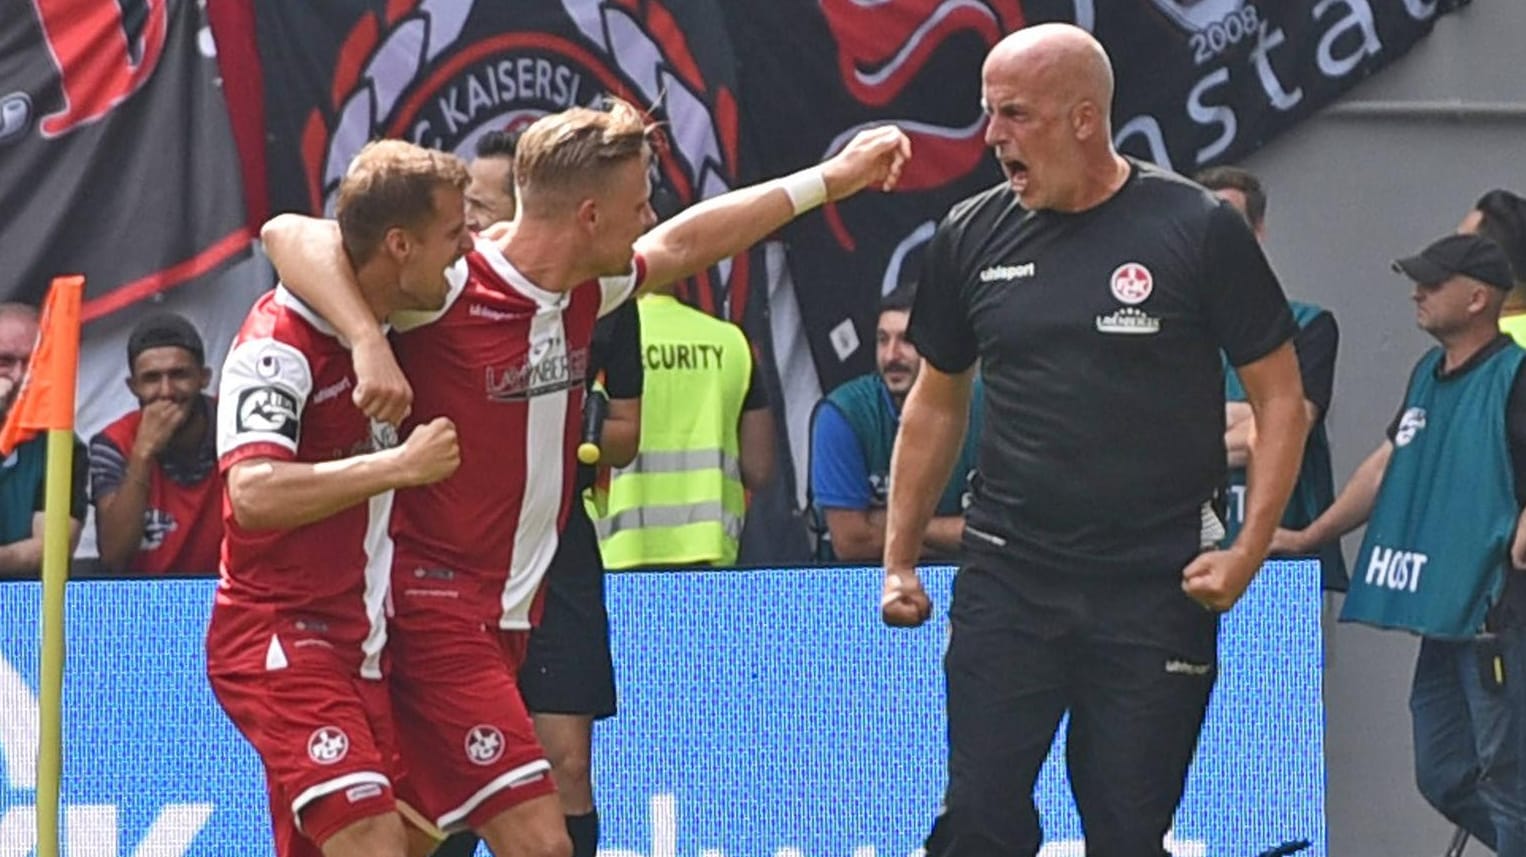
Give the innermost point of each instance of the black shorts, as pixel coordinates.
(1131, 659)
(568, 669)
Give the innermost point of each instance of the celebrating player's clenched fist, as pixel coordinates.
(873, 158)
(431, 453)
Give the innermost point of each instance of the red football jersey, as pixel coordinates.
(183, 524)
(506, 360)
(284, 395)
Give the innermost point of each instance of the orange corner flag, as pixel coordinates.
(46, 400)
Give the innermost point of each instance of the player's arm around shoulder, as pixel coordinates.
(264, 390)
(309, 259)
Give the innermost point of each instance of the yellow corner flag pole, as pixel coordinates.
(46, 403)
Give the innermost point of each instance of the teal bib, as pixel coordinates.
(1438, 543)
(1312, 493)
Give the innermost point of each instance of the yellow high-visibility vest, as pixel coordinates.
(681, 501)
(1515, 326)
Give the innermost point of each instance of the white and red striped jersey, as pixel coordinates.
(286, 384)
(506, 360)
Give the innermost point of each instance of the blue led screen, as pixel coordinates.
(764, 713)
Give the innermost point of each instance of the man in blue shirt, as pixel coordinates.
(852, 433)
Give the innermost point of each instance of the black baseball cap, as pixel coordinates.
(1468, 255)
(162, 330)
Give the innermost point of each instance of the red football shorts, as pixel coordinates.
(327, 741)
(467, 745)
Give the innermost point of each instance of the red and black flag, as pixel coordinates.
(116, 159)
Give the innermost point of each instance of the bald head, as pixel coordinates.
(1062, 58)
(1047, 91)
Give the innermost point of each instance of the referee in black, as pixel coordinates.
(1094, 293)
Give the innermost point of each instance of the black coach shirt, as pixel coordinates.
(1098, 335)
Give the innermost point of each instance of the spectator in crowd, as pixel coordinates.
(852, 432)
(1316, 343)
(490, 196)
(22, 473)
(1501, 215)
(153, 472)
(1442, 497)
(707, 437)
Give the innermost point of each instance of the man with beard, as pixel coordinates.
(852, 432)
(158, 503)
(490, 196)
(22, 472)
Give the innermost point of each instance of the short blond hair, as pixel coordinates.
(391, 183)
(574, 149)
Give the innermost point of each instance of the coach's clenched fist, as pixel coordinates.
(903, 601)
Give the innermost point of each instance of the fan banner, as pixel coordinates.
(443, 72)
(116, 157)
(1198, 82)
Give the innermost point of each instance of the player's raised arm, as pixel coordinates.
(723, 226)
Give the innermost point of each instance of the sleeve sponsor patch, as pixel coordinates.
(267, 410)
(264, 386)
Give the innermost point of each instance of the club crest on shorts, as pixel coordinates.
(1132, 283)
(484, 744)
(328, 745)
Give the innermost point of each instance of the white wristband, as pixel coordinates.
(806, 189)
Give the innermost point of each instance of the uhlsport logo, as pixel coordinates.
(89, 828)
(996, 273)
(441, 73)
